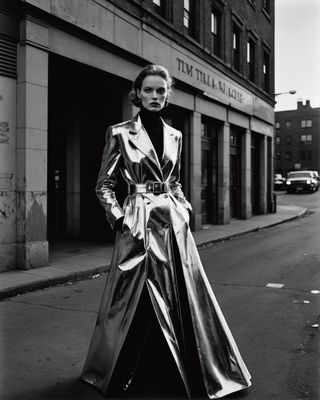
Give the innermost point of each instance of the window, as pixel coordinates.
(266, 71)
(186, 14)
(266, 6)
(288, 124)
(278, 139)
(216, 33)
(306, 139)
(309, 155)
(288, 139)
(306, 123)
(278, 155)
(233, 138)
(288, 155)
(302, 155)
(160, 7)
(236, 47)
(278, 125)
(189, 17)
(251, 59)
(204, 129)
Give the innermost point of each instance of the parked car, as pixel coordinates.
(301, 181)
(316, 175)
(279, 182)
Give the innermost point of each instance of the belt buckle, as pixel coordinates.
(156, 188)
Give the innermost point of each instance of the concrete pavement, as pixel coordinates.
(71, 261)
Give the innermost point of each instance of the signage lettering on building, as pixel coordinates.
(213, 84)
(218, 84)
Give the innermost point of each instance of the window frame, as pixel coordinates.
(288, 124)
(190, 14)
(186, 14)
(266, 6)
(288, 155)
(306, 123)
(288, 140)
(216, 35)
(236, 45)
(252, 59)
(266, 70)
(306, 138)
(161, 9)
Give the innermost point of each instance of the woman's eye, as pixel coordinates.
(161, 91)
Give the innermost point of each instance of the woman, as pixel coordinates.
(157, 295)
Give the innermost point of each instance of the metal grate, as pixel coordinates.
(8, 56)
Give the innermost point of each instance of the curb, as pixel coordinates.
(259, 228)
(90, 274)
(54, 281)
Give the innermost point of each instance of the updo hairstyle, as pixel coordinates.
(156, 70)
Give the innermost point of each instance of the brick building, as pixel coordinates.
(297, 142)
(66, 67)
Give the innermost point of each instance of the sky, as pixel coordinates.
(297, 52)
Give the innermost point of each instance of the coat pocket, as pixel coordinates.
(135, 221)
(181, 209)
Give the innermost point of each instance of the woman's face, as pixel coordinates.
(153, 92)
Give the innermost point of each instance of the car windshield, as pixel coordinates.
(300, 175)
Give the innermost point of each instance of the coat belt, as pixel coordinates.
(149, 187)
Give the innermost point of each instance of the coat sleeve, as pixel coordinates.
(107, 179)
(175, 185)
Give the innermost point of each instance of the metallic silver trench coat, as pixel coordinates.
(143, 258)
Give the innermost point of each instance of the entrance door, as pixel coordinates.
(235, 173)
(208, 172)
(83, 102)
(57, 210)
(206, 183)
(255, 173)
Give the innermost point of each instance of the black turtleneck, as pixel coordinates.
(151, 120)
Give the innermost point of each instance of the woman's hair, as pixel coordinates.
(156, 70)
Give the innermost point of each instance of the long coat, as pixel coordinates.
(144, 258)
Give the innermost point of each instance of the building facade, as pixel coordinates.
(66, 70)
(297, 141)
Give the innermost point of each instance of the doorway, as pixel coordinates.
(209, 190)
(255, 173)
(83, 102)
(235, 172)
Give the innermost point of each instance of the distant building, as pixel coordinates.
(66, 68)
(297, 140)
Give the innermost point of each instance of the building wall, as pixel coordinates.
(9, 33)
(290, 152)
(106, 43)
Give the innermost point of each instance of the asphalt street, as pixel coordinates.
(45, 334)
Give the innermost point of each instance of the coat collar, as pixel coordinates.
(141, 140)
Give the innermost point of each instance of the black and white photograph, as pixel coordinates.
(159, 199)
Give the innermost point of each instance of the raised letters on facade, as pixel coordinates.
(214, 84)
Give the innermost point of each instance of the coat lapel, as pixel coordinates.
(170, 149)
(141, 140)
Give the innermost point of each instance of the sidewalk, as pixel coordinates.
(70, 261)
